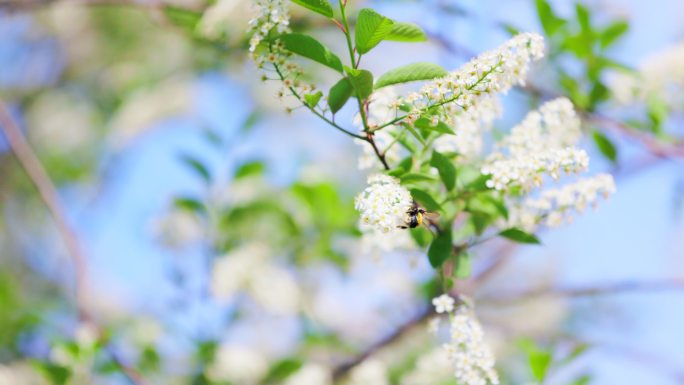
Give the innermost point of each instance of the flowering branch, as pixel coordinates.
(48, 194)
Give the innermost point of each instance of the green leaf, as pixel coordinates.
(613, 32)
(371, 29)
(58, 375)
(440, 249)
(463, 266)
(249, 169)
(447, 171)
(412, 178)
(313, 99)
(319, 6)
(406, 32)
(308, 47)
(538, 359)
(583, 17)
(425, 199)
(426, 124)
(520, 236)
(197, 166)
(410, 73)
(549, 21)
(605, 145)
(362, 81)
(339, 94)
(189, 204)
(182, 17)
(282, 369)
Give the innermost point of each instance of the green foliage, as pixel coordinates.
(339, 94)
(426, 125)
(605, 145)
(310, 48)
(440, 249)
(447, 171)
(613, 32)
(56, 374)
(282, 369)
(406, 32)
(550, 22)
(463, 268)
(322, 7)
(410, 73)
(362, 82)
(520, 236)
(253, 168)
(538, 359)
(425, 199)
(313, 99)
(371, 29)
(197, 166)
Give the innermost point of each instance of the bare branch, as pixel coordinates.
(48, 194)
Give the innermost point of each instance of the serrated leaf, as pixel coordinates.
(362, 81)
(313, 99)
(463, 266)
(440, 249)
(339, 94)
(613, 32)
(410, 73)
(310, 48)
(447, 171)
(406, 32)
(371, 29)
(517, 235)
(426, 124)
(322, 7)
(425, 200)
(605, 145)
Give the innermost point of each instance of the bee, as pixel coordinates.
(416, 216)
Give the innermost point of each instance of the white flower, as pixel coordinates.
(469, 126)
(554, 125)
(527, 170)
(370, 372)
(433, 367)
(232, 273)
(310, 374)
(492, 72)
(384, 203)
(275, 289)
(237, 364)
(376, 243)
(443, 304)
(433, 325)
(472, 359)
(554, 207)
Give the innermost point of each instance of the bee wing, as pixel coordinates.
(431, 216)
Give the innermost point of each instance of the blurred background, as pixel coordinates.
(217, 231)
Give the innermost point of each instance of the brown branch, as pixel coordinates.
(48, 194)
(593, 290)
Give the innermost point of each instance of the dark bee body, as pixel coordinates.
(415, 216)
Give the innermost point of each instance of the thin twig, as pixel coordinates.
(48, 194)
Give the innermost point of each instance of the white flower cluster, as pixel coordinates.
(310, 374)
(380, 110)
(470, 124)
(383, 204)
(433, 367)
(472, 359)
(661, 75)
(371, 371)
(272, 15)
(542, 144)
(492, 72)
(527, 171)
(247, 269)
(555, 206)
(554, 125)
(238, 364)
